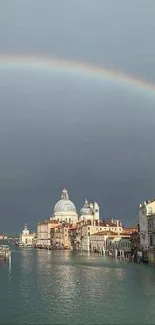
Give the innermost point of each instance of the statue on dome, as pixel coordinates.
(86, 205)
(64, 195)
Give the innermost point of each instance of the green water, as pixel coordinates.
(42, 287)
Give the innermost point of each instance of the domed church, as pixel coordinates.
(89, 211)
(65, 210)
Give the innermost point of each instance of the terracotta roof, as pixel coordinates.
(72, 228)
(103, 233)
(53, 221)
(111, 233)
(130, 230)
(108, 224)
(127, 234)
(48, 221)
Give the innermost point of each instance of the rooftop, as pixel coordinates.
(111, 233)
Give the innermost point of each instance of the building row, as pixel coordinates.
(67, 229)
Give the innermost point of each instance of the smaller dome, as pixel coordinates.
(86, 210)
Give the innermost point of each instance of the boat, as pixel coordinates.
(5, 251)
(2, 256)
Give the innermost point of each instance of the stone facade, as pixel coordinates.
(147, 209)
(110, 241)
(27, 238)
(151, 235)
(147, 230)
(44, 233)
(86, 228)
(60, 238)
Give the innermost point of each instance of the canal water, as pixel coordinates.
(62, 287)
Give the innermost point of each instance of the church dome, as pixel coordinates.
(64, 205)
(86, 210)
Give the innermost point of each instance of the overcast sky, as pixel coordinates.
(96, 138)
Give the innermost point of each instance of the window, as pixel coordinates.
(88, 233)
(88, 228)
(149, 210)
(100, 228)
(150, 240)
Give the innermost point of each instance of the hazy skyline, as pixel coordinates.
(56, 130)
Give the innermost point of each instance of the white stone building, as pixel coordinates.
(26, 237)
(110, 241)
(146, 210)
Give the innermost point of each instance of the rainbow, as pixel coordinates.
(82, 68)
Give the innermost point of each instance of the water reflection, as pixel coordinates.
(9, 267)
(77, 288)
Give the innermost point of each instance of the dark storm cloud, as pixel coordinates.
(117, 34)
(95, 138)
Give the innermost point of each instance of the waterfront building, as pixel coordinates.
(119, 243)
(63, 236)
(135, 241)
(60, 237)
(44, 233)
(111, 242)
(27, 237)
(86, 228)
(146, 211)
(151, 236)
